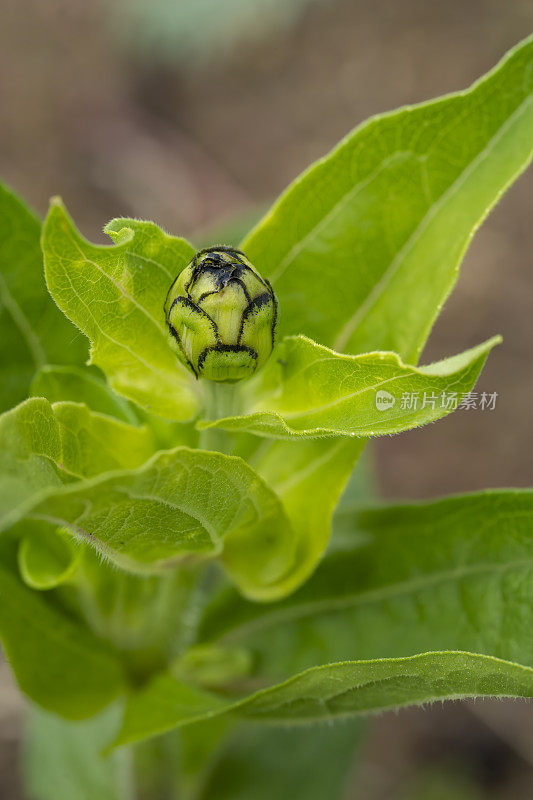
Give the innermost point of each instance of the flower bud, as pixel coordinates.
(221, 315)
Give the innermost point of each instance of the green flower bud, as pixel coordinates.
(221, 315)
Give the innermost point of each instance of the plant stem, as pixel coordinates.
(221, 400)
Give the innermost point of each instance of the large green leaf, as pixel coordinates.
(80, 385)
(32, 329)
(330, 692)
(115, 295)
(361, 490)
(44, 446)
(84, 385)
(452, 574)
(63, 760)
(58, 663)
(262, 763)
(353, 225)
(365, 246)
(308, 475)
(181, 503)
(309, 391)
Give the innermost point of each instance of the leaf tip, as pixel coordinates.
(56, 210)
(57, 202)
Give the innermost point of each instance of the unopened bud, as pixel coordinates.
(221, 315)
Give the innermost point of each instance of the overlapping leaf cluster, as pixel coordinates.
(115, 509)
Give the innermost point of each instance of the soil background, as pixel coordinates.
(117, 131)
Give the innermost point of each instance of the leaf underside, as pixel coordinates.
(331, 692)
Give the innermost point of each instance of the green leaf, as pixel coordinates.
(337, 690)
(44, 446)
(115, 295)
(46, 556)
(309, 391)
(212, 666)
(452, 574)
(365, 246)
(32, 329)
(63, 761)
(80, 385)
(181, 503)
(199, 746)
(364, 213)
(330, 692)
(267, 762)
(361, 490)
(168, 434)
(92, 443)
(57, 662)
(84, 385)
(308, 475)
(166, 703)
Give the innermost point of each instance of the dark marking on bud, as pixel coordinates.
(186, 302)
(226, 348)
(254, 305)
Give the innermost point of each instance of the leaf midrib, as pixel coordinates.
(446, 658)
(373, 596)
(298, 246)
(338, 401)
(119, 287)
(135, 356)
(348, 328)
(343, 337)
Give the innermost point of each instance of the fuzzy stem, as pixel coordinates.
(221, 400)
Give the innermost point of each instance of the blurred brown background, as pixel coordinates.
(196, 117)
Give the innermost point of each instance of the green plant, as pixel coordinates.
(163, 564)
